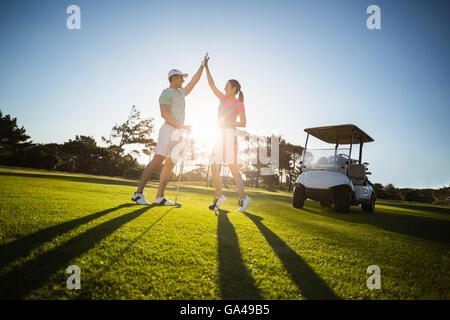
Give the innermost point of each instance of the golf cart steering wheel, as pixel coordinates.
(342, 157)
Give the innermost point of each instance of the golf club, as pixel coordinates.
(178, 205)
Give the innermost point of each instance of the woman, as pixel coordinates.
(230, 108)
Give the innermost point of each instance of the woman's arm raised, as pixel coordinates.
(211, 82)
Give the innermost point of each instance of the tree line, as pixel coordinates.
(79, 155)
(440, 196)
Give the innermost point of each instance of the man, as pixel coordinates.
(172, 105)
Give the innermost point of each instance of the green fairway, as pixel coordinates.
(49, 221)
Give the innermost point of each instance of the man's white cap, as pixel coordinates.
(175, 71)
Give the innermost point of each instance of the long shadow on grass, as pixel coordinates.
(235, 280)
(413, 206)
(22, 280)
(105, 271)
(70, 178)
(309, 283)
(425, 228)
(23, 246)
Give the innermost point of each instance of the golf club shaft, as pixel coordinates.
(179, 179)
(179, 176)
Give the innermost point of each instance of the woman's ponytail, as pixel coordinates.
(237, 87)
(241, 97)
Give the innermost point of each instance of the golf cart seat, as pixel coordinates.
(357, 171)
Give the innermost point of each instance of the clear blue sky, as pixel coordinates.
(300, 63)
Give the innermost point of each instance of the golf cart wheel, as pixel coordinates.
(342, 200)
(299, 197)
(370, 206)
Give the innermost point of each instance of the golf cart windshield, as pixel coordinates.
(325, 159)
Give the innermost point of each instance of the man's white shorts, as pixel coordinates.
(165, 143)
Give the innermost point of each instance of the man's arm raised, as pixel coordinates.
(195, 78)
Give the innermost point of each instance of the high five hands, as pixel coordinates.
(205, 61)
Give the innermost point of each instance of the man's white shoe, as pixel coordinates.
(243, 204)
(162, 201)
(139, 198)
(218, 202)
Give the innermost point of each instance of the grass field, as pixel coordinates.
(49, 221)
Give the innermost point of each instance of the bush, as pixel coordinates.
(133, 172)
(442, 202)
(420, 195)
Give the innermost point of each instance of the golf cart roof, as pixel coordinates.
(341, 134)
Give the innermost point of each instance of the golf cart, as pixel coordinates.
(331, 176)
